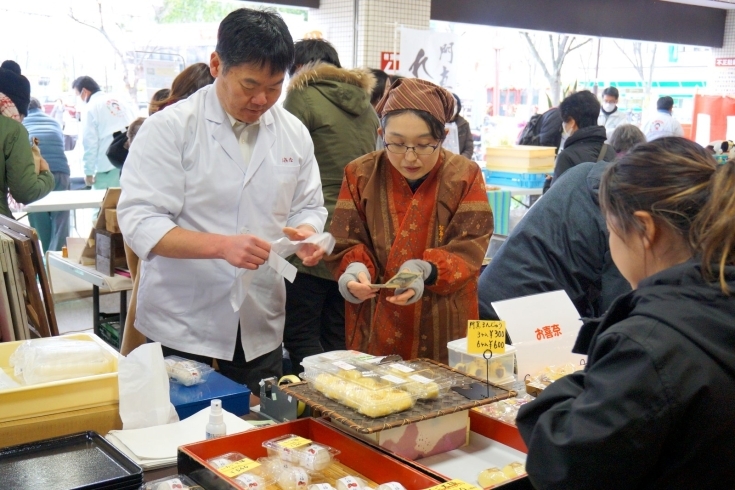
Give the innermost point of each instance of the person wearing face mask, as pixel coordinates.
(585, 139)
(610, 115)
(413, 206)
(104, 115)
(209, 184)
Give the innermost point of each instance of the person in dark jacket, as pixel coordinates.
(550, 128)
(585, 138)
(53, 227)
(561, 243)
(464, 133)
(334, 105)
(653, 407)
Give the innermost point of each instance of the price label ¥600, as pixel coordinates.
(484, 335)
(238, 467)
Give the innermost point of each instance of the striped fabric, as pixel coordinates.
(413, 93)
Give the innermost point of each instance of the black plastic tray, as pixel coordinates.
(84, 461)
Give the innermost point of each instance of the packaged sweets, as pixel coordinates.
(505, 410)
(247, 473)
(298, 451)
(420, 381)
(352, 483)
(492, 477)
(186, 372)
(550, 374)
(178, 482)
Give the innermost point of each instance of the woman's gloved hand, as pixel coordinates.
(354, 284)
(414, 292)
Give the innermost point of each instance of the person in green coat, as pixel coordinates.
(334, 105)
(17, 169)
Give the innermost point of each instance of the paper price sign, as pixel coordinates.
(484, 335)
(454, 485)
(294, 442)
(238, 467)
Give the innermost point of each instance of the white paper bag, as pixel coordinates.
(143, 386)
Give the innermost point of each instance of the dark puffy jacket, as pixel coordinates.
(584, 145)
(550, 130)
(50, 139)
(653, 408)
(561, 243)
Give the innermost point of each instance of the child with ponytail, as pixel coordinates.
(655, 405)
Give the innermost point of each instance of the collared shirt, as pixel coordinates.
(246, 134)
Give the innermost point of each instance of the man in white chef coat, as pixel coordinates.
(208, 184)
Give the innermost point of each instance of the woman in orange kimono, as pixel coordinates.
(411, 207)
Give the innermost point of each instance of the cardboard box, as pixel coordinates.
(110, 250)
(356, 455)
(89, 254)
(58, 396)
(111, 224)
(99, 419)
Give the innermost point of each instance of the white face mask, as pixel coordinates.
(608, 106)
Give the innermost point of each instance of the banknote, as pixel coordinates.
(399, 281)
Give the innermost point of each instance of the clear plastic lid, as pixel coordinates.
(177, 482)
(293, 449)
(361, 386)
(419, 380)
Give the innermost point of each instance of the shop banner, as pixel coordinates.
(429, 55)
(543, 328)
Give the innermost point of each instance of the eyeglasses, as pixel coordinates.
(403, 149)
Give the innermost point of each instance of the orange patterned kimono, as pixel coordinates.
(379, 222)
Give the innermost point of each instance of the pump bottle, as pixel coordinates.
(216, 426)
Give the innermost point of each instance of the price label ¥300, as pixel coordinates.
(484, 335)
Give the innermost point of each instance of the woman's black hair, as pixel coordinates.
(436, 127)
(381, 79)
(310, 50)
(256, 37)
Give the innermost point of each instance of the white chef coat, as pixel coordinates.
(104, 114)
(662, 125)
(186, 169)
(612, 121)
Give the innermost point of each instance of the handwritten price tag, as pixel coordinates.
(454, 485)
(483, 335)
(294, 442)
(238, 467)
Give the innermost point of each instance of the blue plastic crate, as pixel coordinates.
(188, 400)
(511, 179)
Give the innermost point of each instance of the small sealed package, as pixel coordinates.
(248, 474)
(418, 380)
(493, 477)
(538, 383)
(505, 410)
(186, 372)
(296, 450)
(361, 386)
(178, 482)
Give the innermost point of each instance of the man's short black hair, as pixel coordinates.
(35, 104)
(381, 79)
(665, 103)
(581, 106)
(612, 92)
(256, 37)
(311, 50)
(85, 82)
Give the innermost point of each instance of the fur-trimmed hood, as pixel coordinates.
(348, 89)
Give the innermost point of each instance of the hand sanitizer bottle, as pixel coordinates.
(216, 426)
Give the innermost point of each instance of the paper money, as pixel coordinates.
(399, 281)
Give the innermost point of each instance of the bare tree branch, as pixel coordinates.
(638, 66)
(536, 55)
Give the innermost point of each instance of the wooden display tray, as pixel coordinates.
(357, 457)
(449, 402)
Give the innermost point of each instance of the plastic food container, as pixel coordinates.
(419, 381)
(297, 450)
(178, 482)
(501, 365)
(185, 371)
(248, 474)
(361, 386)
(338, 355)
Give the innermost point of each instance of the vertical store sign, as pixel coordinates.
(389, 61)
(430, 56)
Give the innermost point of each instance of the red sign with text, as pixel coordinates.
(388, 61)
(724, 61)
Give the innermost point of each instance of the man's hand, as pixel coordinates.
(89, 180)
(309, 253)
(44, 165)
(361, 290)
(246, 251)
